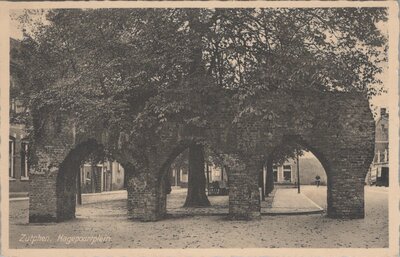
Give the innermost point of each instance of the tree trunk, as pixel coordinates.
(208, 179)
(167, 181)
(269, 178)
(79, 188)
(261, 183)
(92, 178)
(196, 196)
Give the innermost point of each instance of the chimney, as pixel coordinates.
(383, 112)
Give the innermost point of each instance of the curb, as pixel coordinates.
(292, 213)
(106, 193)
(16, 199)
(312, 202)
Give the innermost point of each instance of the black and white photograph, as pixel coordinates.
(206, 128)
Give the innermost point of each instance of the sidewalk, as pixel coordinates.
(376, 189)
(288, 202)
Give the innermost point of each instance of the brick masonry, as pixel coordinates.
(340, 133)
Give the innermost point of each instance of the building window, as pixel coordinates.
(24, 159)
(275, 172)
(287, 173)
(11, 157)
(12, 105)
(386, 155)
(184, 176)
(378, 158)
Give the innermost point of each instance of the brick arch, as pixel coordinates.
(146, 187)
(179, 148)
(52, 195)
(299, 140)
(341, 135)
(318, 153)
(162, 176)
(340, 129)
(67, 176)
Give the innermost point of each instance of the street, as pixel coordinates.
(108, 220)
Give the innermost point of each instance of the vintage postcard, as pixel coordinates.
(212, 128)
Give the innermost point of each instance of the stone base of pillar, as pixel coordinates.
(344, 212)
(146, 202)
(42, 199)
(346, 200)
(346, 215)
(238, 214)
(144, 207)
(244, 197)
(40, 218)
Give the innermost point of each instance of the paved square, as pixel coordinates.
(109, 220)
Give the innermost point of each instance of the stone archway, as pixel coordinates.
(53, 190)
(67, 177)
(341, 132)
(52, 181)
(147, 191)
(293, 141)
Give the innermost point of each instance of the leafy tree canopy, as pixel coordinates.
(129, 71)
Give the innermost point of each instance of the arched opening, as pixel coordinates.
(295, 178)
(189, 166)
(85, 176)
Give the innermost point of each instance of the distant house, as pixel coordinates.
(309, 168)
(379, 170)
(18, 144)
(107, 176)
(18, 164)
(179, 176)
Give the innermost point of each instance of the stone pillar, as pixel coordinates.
(42, 198)
(42, 182)
(269, 184)
(349, 165)
(244, 195)
(346, 191)
(66, 190)
(145, 202)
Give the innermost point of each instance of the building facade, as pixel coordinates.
(18, 163)
(309, 168)
(179, 176)
(107, 176)
(379, 171)
(18, 143)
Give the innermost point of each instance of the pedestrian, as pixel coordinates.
(317, 180)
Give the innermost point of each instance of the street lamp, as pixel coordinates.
(298, 173)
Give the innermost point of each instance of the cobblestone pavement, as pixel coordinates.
(108, 223)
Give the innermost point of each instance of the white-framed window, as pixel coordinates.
(13, 105)
(275, 173)
(184, 175)
(287, 173)
(11, 157)
(386, 155)
(24, 160)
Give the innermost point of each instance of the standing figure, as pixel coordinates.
(317, 180)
